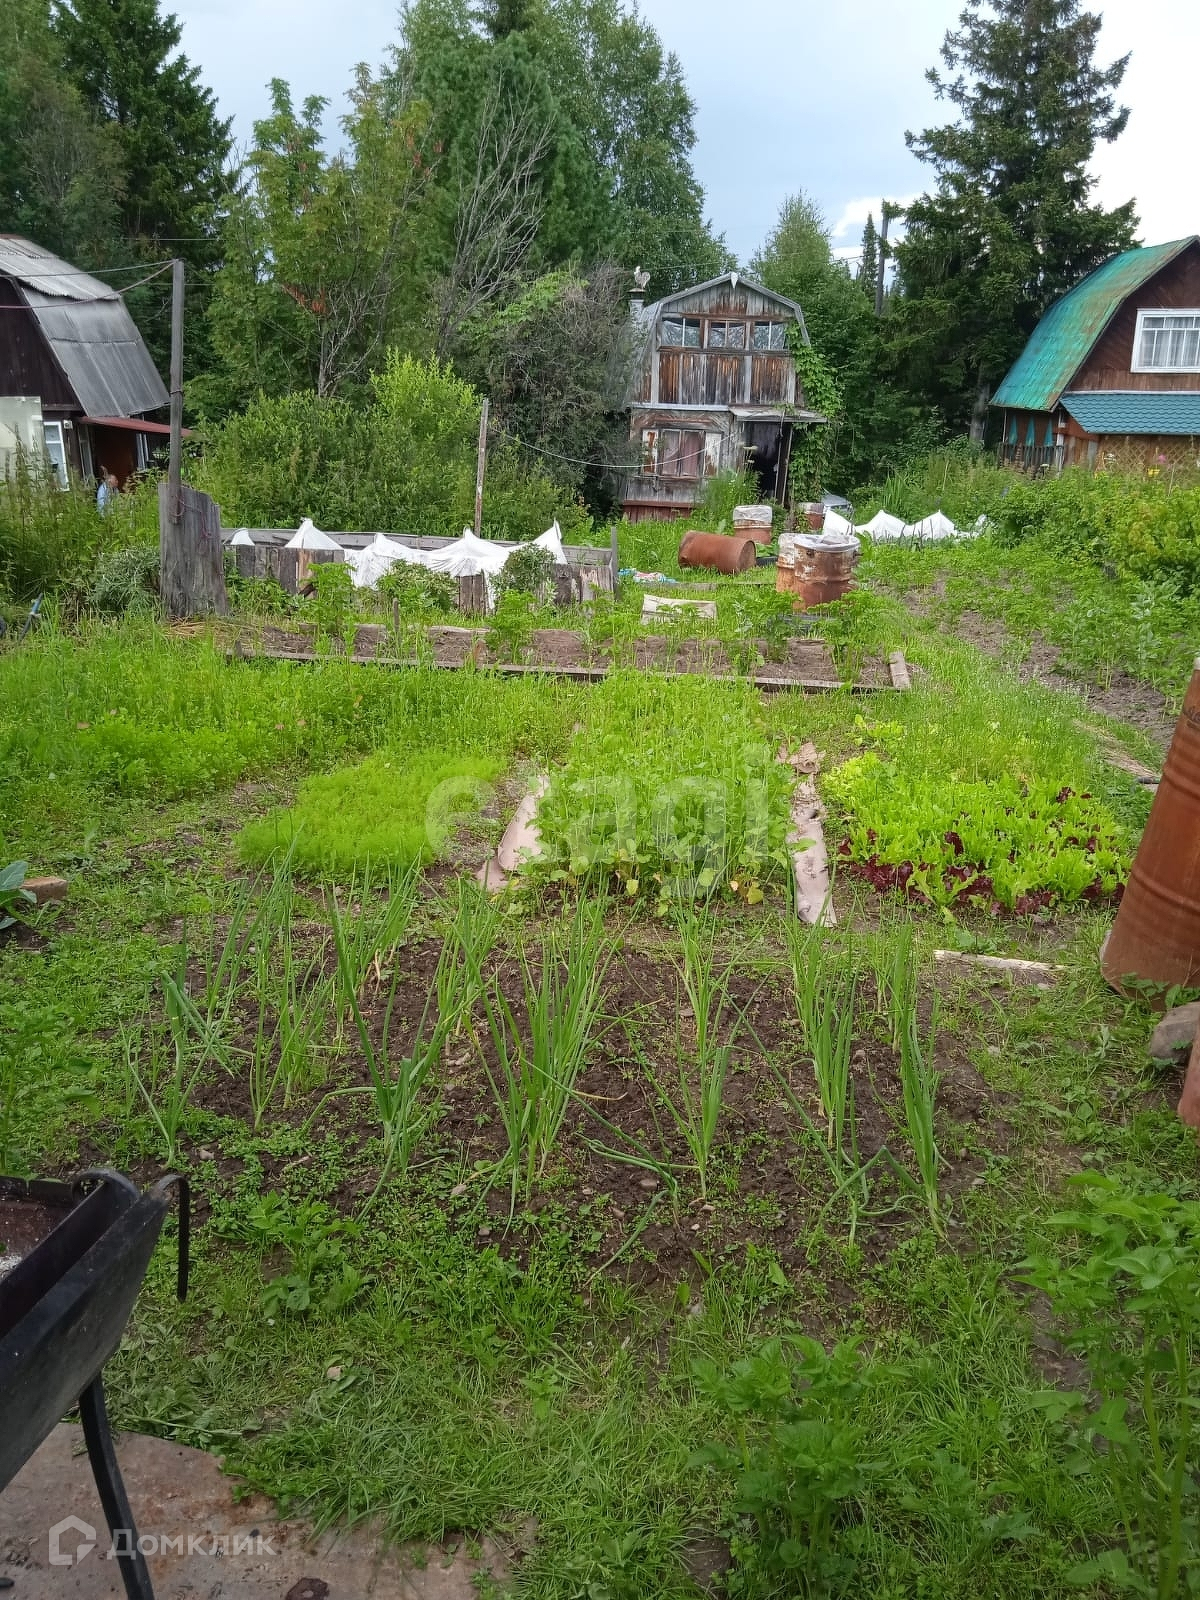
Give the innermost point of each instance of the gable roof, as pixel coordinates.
(1062, 340)
(647, 316)
(89, 330)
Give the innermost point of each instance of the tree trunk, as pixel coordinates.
(979, 411)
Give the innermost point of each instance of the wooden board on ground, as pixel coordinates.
(655, 605)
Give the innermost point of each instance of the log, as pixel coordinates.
(192, 572)
(999, 964)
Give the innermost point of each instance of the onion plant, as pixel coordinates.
(533, 1082)
(397, 1082)
(918, 1078)
(825, 1001)
(473, 929)
(693, 1100)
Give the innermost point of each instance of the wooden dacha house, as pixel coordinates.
(714, 387)
(76, 379)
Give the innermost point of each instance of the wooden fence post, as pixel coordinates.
(192, 573)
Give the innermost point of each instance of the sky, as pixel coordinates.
(791, 94)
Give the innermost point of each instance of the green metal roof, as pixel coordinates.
(1063, 338)
(1136, 410)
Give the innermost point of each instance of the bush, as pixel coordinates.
(50, 537)
(125, 581)
(527, 571)
(418, 591)
(403, 463)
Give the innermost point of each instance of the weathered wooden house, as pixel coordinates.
(68, 343)
(1111, 374)
(714, 386)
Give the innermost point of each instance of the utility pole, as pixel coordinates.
(480, 462)
(175, 466)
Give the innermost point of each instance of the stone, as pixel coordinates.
(46, 889)
(1175, 1032)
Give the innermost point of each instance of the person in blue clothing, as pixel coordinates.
(104, 494)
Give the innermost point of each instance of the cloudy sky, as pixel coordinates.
(791, 94)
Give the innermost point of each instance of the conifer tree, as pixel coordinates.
(1010, 225)
(868, 267)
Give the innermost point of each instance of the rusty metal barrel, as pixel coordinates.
(1156, 936)
(824, 567)
(716, 550)
(753, 522)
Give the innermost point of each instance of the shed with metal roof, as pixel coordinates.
(67, 339)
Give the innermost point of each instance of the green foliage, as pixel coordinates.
(1010, 226)
(333, 599)
(418, 591)
(50, 538)
(1129, 1306)
(14, 898)
(324, 261)
(527, 571)
(389, 811)
(813, 448)
(801, 1479)
(671, 789)
(123, 58)
(510, 627)
(125, 581)
(1004, 824)
(405, 462)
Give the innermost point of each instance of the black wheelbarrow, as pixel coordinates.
(81, 1249)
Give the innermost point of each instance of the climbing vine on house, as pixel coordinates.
(812, 448)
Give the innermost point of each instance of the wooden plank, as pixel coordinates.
(518, 669)
(898, 668)
(192, 575)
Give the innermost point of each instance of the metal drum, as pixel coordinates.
(1156, 937)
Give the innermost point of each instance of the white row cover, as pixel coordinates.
(883, 527)
(462, 559)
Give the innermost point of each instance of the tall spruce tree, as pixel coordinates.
(1010, 225)
(868, 266)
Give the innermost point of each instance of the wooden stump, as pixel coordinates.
(191, 559)
(473, 594)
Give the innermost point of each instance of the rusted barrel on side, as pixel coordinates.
(1156, 937)
(753, 522)
(824, 567)
(716, 550)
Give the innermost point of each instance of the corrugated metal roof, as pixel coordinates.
(1062, 339)
(49, 274)
(87, 326)
(1140, 411)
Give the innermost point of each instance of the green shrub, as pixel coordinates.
(125, 581)
(391, 810)
(403, 462)
(527, 571)
(418, 591)
(50, 537)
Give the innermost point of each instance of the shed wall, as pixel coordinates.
(1110, 363)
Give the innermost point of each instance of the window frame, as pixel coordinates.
(61, 477)
(725, 323)
(663, 451)
(768, 349)
(1137, 364)
(683, 322)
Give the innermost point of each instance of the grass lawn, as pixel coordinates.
(621, 1212)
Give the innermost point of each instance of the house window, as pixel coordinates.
(769, 336)
(1167, 341)
(56, 451)
(681, 331)
(680, 453)
(727, 336)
